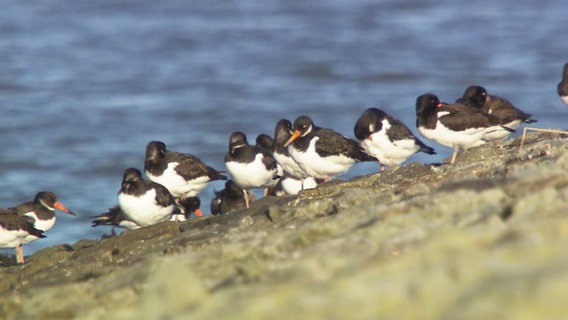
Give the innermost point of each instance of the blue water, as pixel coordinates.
(85, 85)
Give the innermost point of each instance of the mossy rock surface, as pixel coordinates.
(484, 238)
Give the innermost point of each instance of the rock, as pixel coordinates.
(483, 238)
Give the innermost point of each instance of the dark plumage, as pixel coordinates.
(454, 125)
(250, 166)
(502, 109)
(229, 199)
(144, 202)
(40, 213)
(282, 132)
(387, 138)
(114, 217)
(323, 153)
(265, 141)
(184, 175)
(190, 205)
(563, 85)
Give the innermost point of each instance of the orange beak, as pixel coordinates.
(198, 212)
(295, 135)
(439, 105)
(59, 206)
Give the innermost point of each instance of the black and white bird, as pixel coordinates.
(189, 206)
(323, 153)
(500, 108)
(292, 185)
(387, 138)
(144, 202)
(114, 217)
(117, 218)
(453, 125)
(229, 199)
(282, 133)
(40, 213)
(15, 230)
(250, 166)
(184, 175)
(563, 85)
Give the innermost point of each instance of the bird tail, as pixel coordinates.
(110, 217)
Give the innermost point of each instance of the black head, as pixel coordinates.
(283, 130)
(426, 102)
(131, 175)
(49, 200)
(237, 140)
(368, 123)
(303, 125)
(155, 150)
(565, 71)
(474, 96)
(233, 188)
(191, 205)
(264, 141)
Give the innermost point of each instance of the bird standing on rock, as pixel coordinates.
(27, 222)
(453, 125)
(323, 153)
(250, 166)
(184, 175)
(387, 138)
(502, 109)
(144, 202)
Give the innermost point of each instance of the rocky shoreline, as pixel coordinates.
(482, 239)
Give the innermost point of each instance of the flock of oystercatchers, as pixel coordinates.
(299, 156)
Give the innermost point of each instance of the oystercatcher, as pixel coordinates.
(563, 85)
(323, 153)
(502, 109)
(184, 175)
(283, 132)
(387, 138)
(114, 217)
(15, 230)
(265, 141)
(190, 205)
(40, 212)
(250, 166)
(453, 125)
(144, 202)
(229, 199)
(292, 185)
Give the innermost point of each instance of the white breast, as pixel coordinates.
(251, 175)
(320, 167)
(144, 210)
(176, 184)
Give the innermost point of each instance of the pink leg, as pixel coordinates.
(245, 193)
(19, 254)
(454, 155)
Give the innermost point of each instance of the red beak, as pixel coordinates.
(292, 138)
(198, 212)
(59, 206)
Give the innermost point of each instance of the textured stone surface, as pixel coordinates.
(482, 239)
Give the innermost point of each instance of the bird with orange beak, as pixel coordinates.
(26, 222)
(321, 152)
